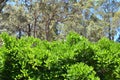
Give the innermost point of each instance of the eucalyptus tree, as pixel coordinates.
(107, 10)
(84, 19)
(2, 4)
(13, 19)
(116, 20)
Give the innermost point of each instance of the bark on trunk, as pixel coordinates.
(29, 30)
(47, 29)
(35, 23)
(19, 33)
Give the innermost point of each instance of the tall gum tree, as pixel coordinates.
(107, 10)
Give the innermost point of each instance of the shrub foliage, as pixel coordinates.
(75, 58)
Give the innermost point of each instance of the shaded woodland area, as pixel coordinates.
(54, 19)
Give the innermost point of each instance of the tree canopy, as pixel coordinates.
(53, 19)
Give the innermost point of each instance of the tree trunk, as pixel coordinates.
(19, 33)
(47, 31)
(2, 4)
(85, 28)
(109, 32)
(29, 30)
(35, 23)
(85, 31)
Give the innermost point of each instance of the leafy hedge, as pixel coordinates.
(75, 58)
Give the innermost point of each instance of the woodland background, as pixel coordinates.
(54, 19)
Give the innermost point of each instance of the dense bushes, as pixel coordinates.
(73, 59)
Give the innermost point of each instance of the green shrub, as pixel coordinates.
(75, 58)
(81, 71)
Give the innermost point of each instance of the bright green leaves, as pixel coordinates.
(107, 58)
(75, 58)
(73, 38)
(81, 71)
